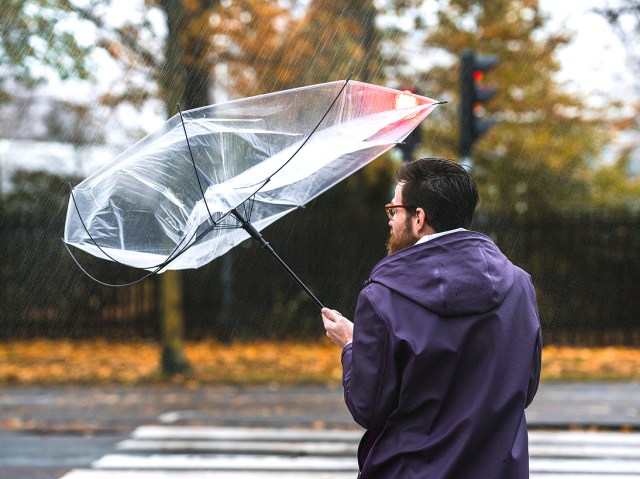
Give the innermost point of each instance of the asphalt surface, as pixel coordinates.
(45, 431)
(29, 455)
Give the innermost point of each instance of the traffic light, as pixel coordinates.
(472, 96)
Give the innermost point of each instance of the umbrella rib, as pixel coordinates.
(156, 268)
(246, 225)
(181, 248)
(307, 138)
(195, 168)
(264, 182)
(75, 204)
(75, 260)
(346, 82)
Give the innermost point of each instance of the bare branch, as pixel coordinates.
(126, 38)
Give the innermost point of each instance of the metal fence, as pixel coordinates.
(586, 270)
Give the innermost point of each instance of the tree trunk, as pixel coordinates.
(185, 80)
(172, 327)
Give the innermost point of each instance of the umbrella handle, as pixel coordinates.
(255, 234)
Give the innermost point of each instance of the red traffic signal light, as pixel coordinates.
(472, 95)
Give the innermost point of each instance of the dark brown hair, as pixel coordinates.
(442, 188)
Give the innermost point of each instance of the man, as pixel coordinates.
(444, 352)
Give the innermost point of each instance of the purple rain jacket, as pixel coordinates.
(445, 358)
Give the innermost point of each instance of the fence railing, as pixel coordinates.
(586, 270)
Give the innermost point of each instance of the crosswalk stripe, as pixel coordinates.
(599, 466)
(172, 452)
(146, 474)
(244, 447)
(575, 450)
(244, 434)
(585, 437)
(226, 462)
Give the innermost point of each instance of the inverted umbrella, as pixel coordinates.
(213, 176)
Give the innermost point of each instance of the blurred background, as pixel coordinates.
(550, 130)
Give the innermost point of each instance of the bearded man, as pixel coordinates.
(444, 353)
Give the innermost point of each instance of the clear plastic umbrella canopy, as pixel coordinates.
(167, 202)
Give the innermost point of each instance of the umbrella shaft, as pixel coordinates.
(255, 234)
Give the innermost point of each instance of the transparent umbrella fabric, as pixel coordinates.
(146, 208)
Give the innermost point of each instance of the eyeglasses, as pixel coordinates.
(391, 209)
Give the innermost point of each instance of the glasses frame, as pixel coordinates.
(389, 208)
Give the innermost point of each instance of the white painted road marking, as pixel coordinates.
(172, 452)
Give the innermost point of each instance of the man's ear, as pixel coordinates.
(421, 222)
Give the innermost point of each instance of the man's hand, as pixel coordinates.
(339, 329)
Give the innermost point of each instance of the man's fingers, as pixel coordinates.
(329, 324)
(331, 314)
(328, 314)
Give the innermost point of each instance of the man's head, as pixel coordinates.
(436, 195)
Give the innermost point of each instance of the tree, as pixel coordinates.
(36, 40)
(180, 62)
(624, 19)
(36, 37)
(333, 40)
(265, 47)
(612, 189)
(538, 154)
(199, 34)
(186, 80)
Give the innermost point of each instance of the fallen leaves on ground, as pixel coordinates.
(94, 361)
(591, 364)
(101, 361)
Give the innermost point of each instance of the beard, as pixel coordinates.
(402, 240)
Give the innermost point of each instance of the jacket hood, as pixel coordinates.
(456, 274)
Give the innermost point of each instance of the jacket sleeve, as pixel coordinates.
(536, 363)
(536, 366)
(368, 372)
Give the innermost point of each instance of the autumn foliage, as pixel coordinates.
(94, 361)
(99, 361)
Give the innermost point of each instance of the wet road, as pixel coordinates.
(48, 430)
(29, 455)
